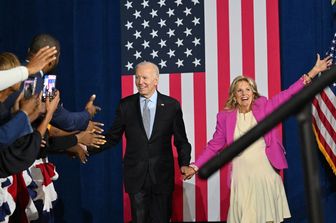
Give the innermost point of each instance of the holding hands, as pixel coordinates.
(188, 172)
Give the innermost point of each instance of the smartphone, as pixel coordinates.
(49, 87)
(29, 87)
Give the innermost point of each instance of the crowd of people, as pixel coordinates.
(32, 127)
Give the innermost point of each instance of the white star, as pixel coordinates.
(171, 53)
(129, 5)
(145, 24)
(137, 54)
(178, 2)
(187, 11)
(196, 21)
(145, 4)
(196, 41)
(171, 32)
(162, 3)
(170, 12)
(162, 43)
(162, 23)
(154, 33)
(188, 52)
(153, 13)
(179, 63)
(129, 45)
(179, 42)
(145, 44)
(129, 65)
(137, 14)
(197, 62)
(187, 32)
(154, 53)
(195, 2)
(129, 25)
(179, 22)
(137, 34)
(163, 63)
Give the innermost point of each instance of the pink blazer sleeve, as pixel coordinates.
(283, 96)
(217, 142)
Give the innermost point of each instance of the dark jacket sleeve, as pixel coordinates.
(61, 143)
(114, 134)
(15, 128)
(70, 121)
(20, 155)
(180, 139)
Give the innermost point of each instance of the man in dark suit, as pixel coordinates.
(150, 120)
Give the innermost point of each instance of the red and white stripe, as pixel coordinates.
(245, 40)
(43, 174)
(324, 122)
(6, 199)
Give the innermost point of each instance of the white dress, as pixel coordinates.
(257, 192)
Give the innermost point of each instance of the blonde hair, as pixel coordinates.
(8, 61)
(231, 102)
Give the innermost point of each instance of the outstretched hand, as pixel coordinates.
(95, 127)
(320, 65)
(90, 107)
(90, 139)
(78, 151)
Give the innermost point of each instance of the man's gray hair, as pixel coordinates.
(156, 68)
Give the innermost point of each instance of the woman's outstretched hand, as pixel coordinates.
(320, 65)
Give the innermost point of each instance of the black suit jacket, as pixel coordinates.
(154, 155)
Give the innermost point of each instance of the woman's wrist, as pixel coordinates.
(194, 167)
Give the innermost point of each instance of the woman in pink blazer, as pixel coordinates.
(257, 192)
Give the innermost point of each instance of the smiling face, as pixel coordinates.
(146, 79)
(244, 96)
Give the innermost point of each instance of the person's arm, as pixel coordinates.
(15, 128)
(278, 99)
(37, 62)
(70, 121)
(75, 121)
(12, 76)
(50, 109)
(114, 134)
(20, 155)
(216, 144)
(180, 138)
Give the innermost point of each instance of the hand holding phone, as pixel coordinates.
(29, 87)
(49, 87)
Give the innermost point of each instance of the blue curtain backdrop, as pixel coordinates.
(90, 63)
(306, 28)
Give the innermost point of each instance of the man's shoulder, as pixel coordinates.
(167, 99)
(129, 98)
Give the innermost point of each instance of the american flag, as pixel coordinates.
(324, 117)
(200, 46)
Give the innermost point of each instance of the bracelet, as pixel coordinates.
(194, 167)
(310, 79)
(306, 79)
